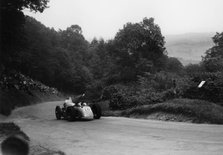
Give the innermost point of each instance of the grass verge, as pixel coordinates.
(181, 110)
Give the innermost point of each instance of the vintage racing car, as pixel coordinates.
(71, 111)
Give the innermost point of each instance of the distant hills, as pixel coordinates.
(189, 47)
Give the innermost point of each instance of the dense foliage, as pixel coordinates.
(12, 28)
(139, 48)
(210, 70)
(65, 60)
(131, 69)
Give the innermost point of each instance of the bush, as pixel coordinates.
(160, 87)
(159, 81)
(150, 89)
(163, 86)
(18, 90)
(94, 90)
(211, 90)
(122, 97)
(108, 91)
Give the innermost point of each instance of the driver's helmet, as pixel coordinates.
(84, 104)
(68, 100)
(79, 104)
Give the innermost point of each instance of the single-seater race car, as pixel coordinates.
(75, 111)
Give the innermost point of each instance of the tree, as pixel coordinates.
(100, 61)
(193, 69)
(19, 5)
(47, 60)
(12, 31)
(174, 65)
(137, 44)
(209, 70)
(213, 64)
(72, 38)
(213, 60)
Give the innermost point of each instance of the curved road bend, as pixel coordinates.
(117, 135)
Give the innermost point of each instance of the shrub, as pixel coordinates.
(212, 89)
(122, 97)
(150, 89)
(94, 90)
(159, 81)
(161, 86)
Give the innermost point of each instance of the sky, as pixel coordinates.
(103, 18)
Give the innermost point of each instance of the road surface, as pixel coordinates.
(117, 135)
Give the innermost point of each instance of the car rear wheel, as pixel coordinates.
(96, 109)
(58, 112)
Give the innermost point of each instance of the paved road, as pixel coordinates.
(117, 136)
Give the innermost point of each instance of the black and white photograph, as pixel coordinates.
(111, 77)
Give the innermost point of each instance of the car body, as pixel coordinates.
(78, 111)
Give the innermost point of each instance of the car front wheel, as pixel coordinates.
(58, 112)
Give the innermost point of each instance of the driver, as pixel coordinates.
(68, 102)
(80, 99)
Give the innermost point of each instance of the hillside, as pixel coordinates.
(18, 90)
(188, 48)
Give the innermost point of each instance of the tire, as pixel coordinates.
(70, 113)
(96, 109)
(58, 112)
